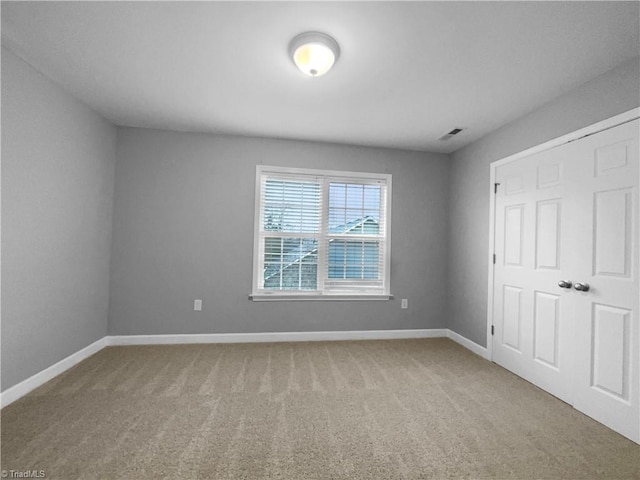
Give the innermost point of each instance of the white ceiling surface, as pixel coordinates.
(408, 72)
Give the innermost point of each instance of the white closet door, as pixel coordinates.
(566, 218)
(531, 316)
(606, 244)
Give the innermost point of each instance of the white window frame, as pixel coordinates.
(327, 175)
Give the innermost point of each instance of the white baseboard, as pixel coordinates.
(275, 337)
(468, 344)
(19, 390)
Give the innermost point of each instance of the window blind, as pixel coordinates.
(290, 224)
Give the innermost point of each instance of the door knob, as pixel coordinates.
(565, 284)
(581, 287)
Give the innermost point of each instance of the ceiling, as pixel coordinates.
(408, 71)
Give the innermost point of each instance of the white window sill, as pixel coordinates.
(272, 297)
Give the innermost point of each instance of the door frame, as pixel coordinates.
(606, 124)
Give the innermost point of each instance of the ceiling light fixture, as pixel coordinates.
(314, 53)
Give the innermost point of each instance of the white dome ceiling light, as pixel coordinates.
(314, 53)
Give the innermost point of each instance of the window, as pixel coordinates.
(321, 233)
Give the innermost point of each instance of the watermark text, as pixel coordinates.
(23, 474)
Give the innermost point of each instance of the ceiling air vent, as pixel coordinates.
(450, 134)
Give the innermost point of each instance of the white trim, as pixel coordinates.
(276, 337)
(19, 390)
(491, 269)
(468, 344)
(387, 243)
(257, 247)
(339, 174)
(589, 130)
(569, 137)
(268, 297)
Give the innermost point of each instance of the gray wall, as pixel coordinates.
(183, 223)
(183, 229)
(614, 92)
(58, 161)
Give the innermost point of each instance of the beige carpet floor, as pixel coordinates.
(398, 409)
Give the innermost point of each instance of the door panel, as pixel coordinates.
(513, 184)
(514, 215)
(549, 175)
(610, 355)
(512, 317)
(610, 158)
(613, 231)
(548, 234)
(546, 323)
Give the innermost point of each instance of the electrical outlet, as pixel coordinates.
(404, 303)
(197, 305)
